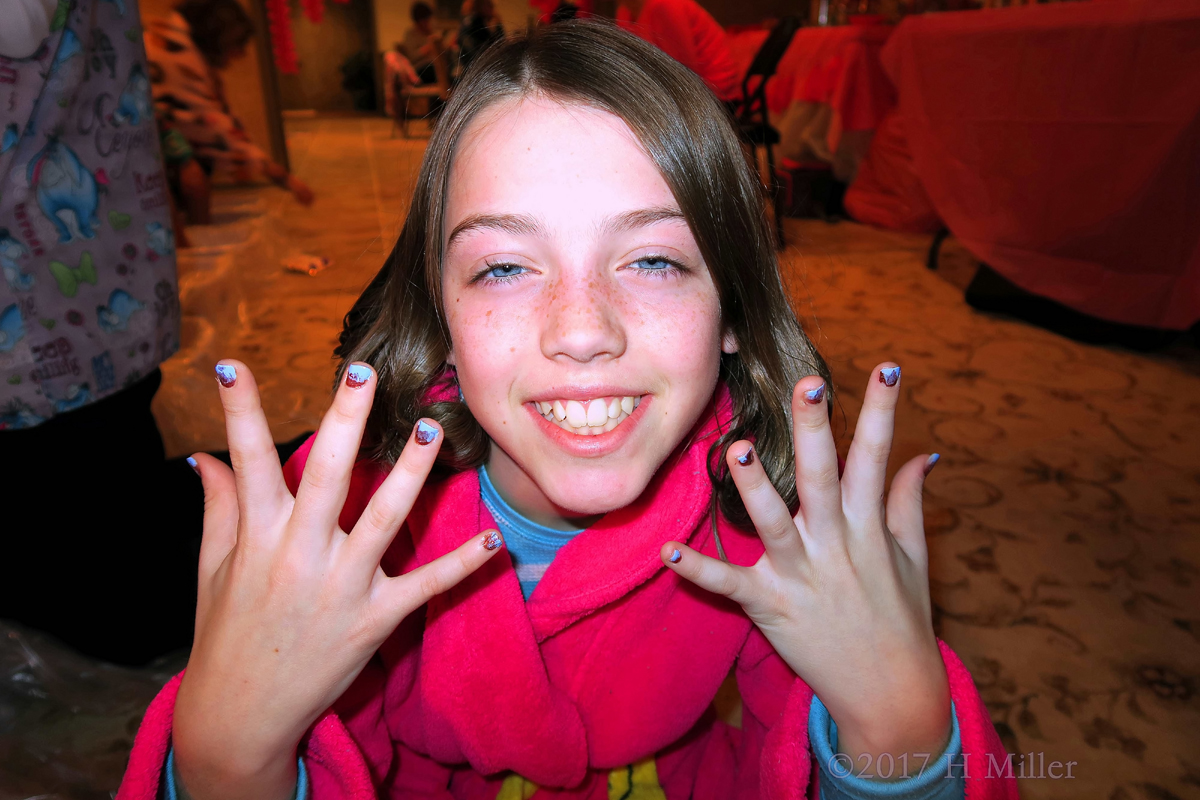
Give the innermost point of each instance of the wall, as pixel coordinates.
(243, 82)
(322, 49)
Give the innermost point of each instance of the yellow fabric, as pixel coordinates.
(516, 788)
(636, 782)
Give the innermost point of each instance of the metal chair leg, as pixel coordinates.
(931, 261)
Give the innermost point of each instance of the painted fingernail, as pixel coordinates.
(426, 433)
(226, 374)
(814, 396)
(746, 458)
(192, 463)
(357, 375)
(931, 463)
(889, 376)
(492, 540)
(675, 556)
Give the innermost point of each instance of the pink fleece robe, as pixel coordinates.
(613, 659)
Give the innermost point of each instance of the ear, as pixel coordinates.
(450, 359)
(729, 343)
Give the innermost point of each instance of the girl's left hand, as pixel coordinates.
(842, 591)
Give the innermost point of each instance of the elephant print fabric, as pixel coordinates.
(86, 244)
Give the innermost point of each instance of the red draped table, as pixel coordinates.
(833, 70)
(1061, 145)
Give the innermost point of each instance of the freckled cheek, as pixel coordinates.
(684, 334)
(490, 343)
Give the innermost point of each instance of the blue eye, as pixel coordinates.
(658, 266)
(502, 271)
(654, 263)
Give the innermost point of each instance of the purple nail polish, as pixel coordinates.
(492, 541)
(192, 463)
(357, 375)
(675, 556)
(426, 433)
(226, 374)
(932, 462)
(889, 376)
(814, 396)
(746, 458)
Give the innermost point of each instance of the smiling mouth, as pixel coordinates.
(588, 417)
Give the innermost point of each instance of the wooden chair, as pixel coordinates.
(751, 110)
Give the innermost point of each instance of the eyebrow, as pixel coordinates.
(526, 225)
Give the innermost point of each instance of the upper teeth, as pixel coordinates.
(590, 416)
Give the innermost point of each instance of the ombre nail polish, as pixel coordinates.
(746, 458)
(357, 375)
(814, 396)
(226, 374)
(192, 463)
(932, 462)
(426, 433)
(675, 556)
(889, 376)
(492, 541)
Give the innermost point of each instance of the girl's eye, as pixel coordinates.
(501, 272)
(657, 266)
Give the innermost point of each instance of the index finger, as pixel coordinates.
(257, 474)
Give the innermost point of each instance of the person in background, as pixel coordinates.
(688, 34)
(480, 28)
(187, 52)
(423, 45)
(101, 533)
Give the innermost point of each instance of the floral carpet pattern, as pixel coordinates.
(1063, 518)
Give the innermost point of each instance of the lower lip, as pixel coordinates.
(592, 446)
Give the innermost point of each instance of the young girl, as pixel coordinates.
(583, 336)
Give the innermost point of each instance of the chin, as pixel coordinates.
(594, 495)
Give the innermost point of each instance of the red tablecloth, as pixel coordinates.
(837, 65)
(1061, 145)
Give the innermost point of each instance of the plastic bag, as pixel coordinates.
(67, 722)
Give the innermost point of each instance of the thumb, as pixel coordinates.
(905, 506)
(220, 524)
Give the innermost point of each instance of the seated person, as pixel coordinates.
(688, 34)
(186, 52)
(423, 45)
(480, 28)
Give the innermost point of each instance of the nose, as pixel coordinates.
(583, 320)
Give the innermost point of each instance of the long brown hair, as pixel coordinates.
(398, 326)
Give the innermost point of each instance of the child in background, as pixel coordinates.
(582, 335)
(187, 51)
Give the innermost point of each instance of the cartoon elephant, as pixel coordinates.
(134, 103)
(10, 251)
(64, 184)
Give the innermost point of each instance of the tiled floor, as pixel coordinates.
(1064, 519)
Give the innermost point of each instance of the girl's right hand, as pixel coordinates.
(291, 608)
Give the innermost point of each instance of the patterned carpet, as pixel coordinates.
(1064, 518)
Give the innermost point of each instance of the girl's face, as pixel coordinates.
(585, 325)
